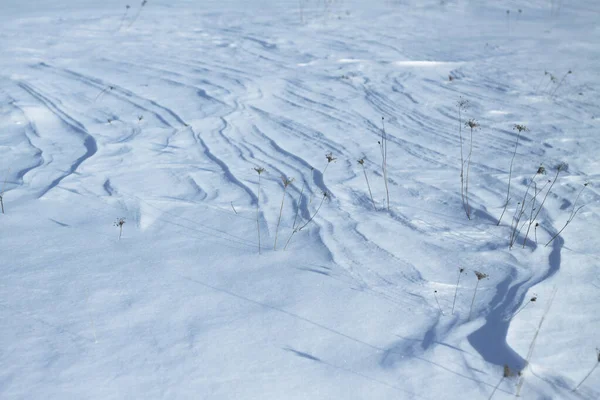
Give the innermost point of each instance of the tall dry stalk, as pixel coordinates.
(520, 128)
(383, 148)
(2, 191)
(286, 183)
(460, 271)
(362, 163)
(480, 276)
(462, 105)
(472, 124)
(259, 171)
(119, 224)
(559, 168)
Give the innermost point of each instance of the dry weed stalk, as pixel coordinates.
(383, 148)
(472, 124)
(325, 195)
(460, 271)
(462, 105)
(286, 183)
(591, 371)
(119, 224)
(362, 163)
(259, 171)
(480, 276)
(520, 128)
(574, 212)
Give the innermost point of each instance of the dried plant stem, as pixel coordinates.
(286, 183)
(436, 300)
(2, 191)
(362, 163)
(509, 179)
(307, 222)
(299, 201)
(519, 213)
(258, 212)
(535, 336)
(473, 301)
(587, 376)
(532, 219)
(460, 271)
(467, 206)
(462, 160)
(574, 212)
(560, 83)
(496, 388)
(279, 220)
(383, 147)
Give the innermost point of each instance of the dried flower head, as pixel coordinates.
(361, 161)
(463, 104)
(120, 222)
(521, 128)
(480, 275)
(472, 123)
(541, 170)
(461, 270)
(562, 166)
(286, 181)
(259, 170)
(534, 298)
(128, 6)
(330, 157)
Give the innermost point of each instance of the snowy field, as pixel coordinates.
(159, 114)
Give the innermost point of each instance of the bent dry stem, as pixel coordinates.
(286, 183)
(307, 222)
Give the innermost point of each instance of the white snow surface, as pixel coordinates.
(159, 115)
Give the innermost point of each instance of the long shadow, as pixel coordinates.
(490, 340)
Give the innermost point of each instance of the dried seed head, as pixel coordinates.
(120, 222)
(480, 275)
(520, 128)
(259, 170)
(361, 161)
(472, 123)
(534, 298)
(562, 166)
(541, 170)
(463, 104)
(461, 270)
(507, 372)
(330, 157)
(286, 181)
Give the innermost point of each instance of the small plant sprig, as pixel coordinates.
(520, 128)
(286, 183)
(299, 228)
(460, 271)
(362, 163)
(471, 124)
(462, 105)
(591, 371)
(383, 148)
(574, 212)
(560, 83)
(330, 158)
(2, 191)
(259, 171)
(119, 224)
(506, 373)
(106, 89)
(480, 276)
(562, 166)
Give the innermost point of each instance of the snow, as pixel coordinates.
(161, 119)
